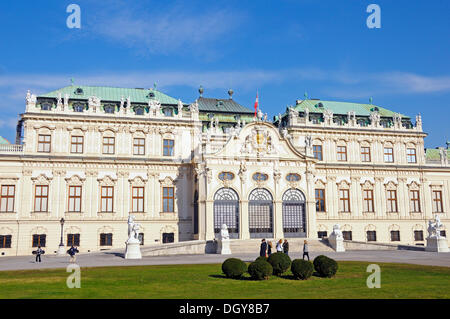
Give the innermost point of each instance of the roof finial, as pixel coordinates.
(200, 90)
(370, 100)
(230, 93)
(71, 81)
(306, 95)
(154, 86)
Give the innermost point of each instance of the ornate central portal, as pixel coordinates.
(260, 213)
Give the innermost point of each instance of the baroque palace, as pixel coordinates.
(87, 157)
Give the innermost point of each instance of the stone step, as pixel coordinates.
(295, 245)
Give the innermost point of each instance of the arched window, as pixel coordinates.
(110, 109)
(260, 213)
(78, 107)
(294, 216)
(226, 211)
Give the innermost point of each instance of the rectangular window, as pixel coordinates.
(107, 199)
(347, 235)
(138, 199)
(392, 201)
(168, 147)
(141, 238)
(44, 142)
(368, 200)
(76, 144)
(443, 234)
(411, 155)
(317, 151)
(7, 198)
(365, 154)
(41, 198)
(139, 146)
(320, 200)
(108, 145)
(39, 240)
(73, 240)
(418, 235)
(415, 201)
(106, 239)
(395, 235)
(371, 235)
(437, 202)
(342, 153)
(344, 200)
(5, 241)
(388, 155)
(168, 199)
(75, 199)
(322, 234)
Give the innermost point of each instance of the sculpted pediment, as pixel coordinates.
(261, 140)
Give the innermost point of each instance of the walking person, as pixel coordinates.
(286, 247)
(72, 251)
(305, 250)
(269, 248)
(39, 252)
(263, 249)
(280, 246)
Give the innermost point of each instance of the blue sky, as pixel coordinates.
(280, 48)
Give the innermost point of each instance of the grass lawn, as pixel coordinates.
(207, 281)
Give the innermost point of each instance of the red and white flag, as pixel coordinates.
(256, 103)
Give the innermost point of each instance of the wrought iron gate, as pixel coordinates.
(260, 213)
(294, 215)
(226, 211)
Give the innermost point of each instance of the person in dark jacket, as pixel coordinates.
(286, 247)
(39, 252)
(263, 249)
(269, 248)
(305, 250)
(72, 251)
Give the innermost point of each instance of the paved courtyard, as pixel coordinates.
(114, 258)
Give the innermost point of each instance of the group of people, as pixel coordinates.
(266, 248)
(72, 252)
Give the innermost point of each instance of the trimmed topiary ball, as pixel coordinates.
(261, 258)
(302, 269)
(280, 262)
(234, 268)
(325, 267)
(260, 270)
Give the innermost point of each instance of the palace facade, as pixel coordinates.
(86, 157)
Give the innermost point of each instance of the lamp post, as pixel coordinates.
(61, 249)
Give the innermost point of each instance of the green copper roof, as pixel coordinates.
(4, 140)
(342, 108)
(111, 94)
(221, 105)
(433, 154)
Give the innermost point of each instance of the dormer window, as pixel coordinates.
(110, 109)
(46, 106)
(168, 111)
(139, 110)
(219, 103)
(79, 91)
(78, 108)
(151, 95)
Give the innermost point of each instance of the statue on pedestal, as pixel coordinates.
(223, 244)
(133, 250)
(336, 239)
(436, 242)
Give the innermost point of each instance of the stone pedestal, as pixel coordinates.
(223, 247)
(133, 249)
(337, 243)
(61, 251)
(437, 244)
